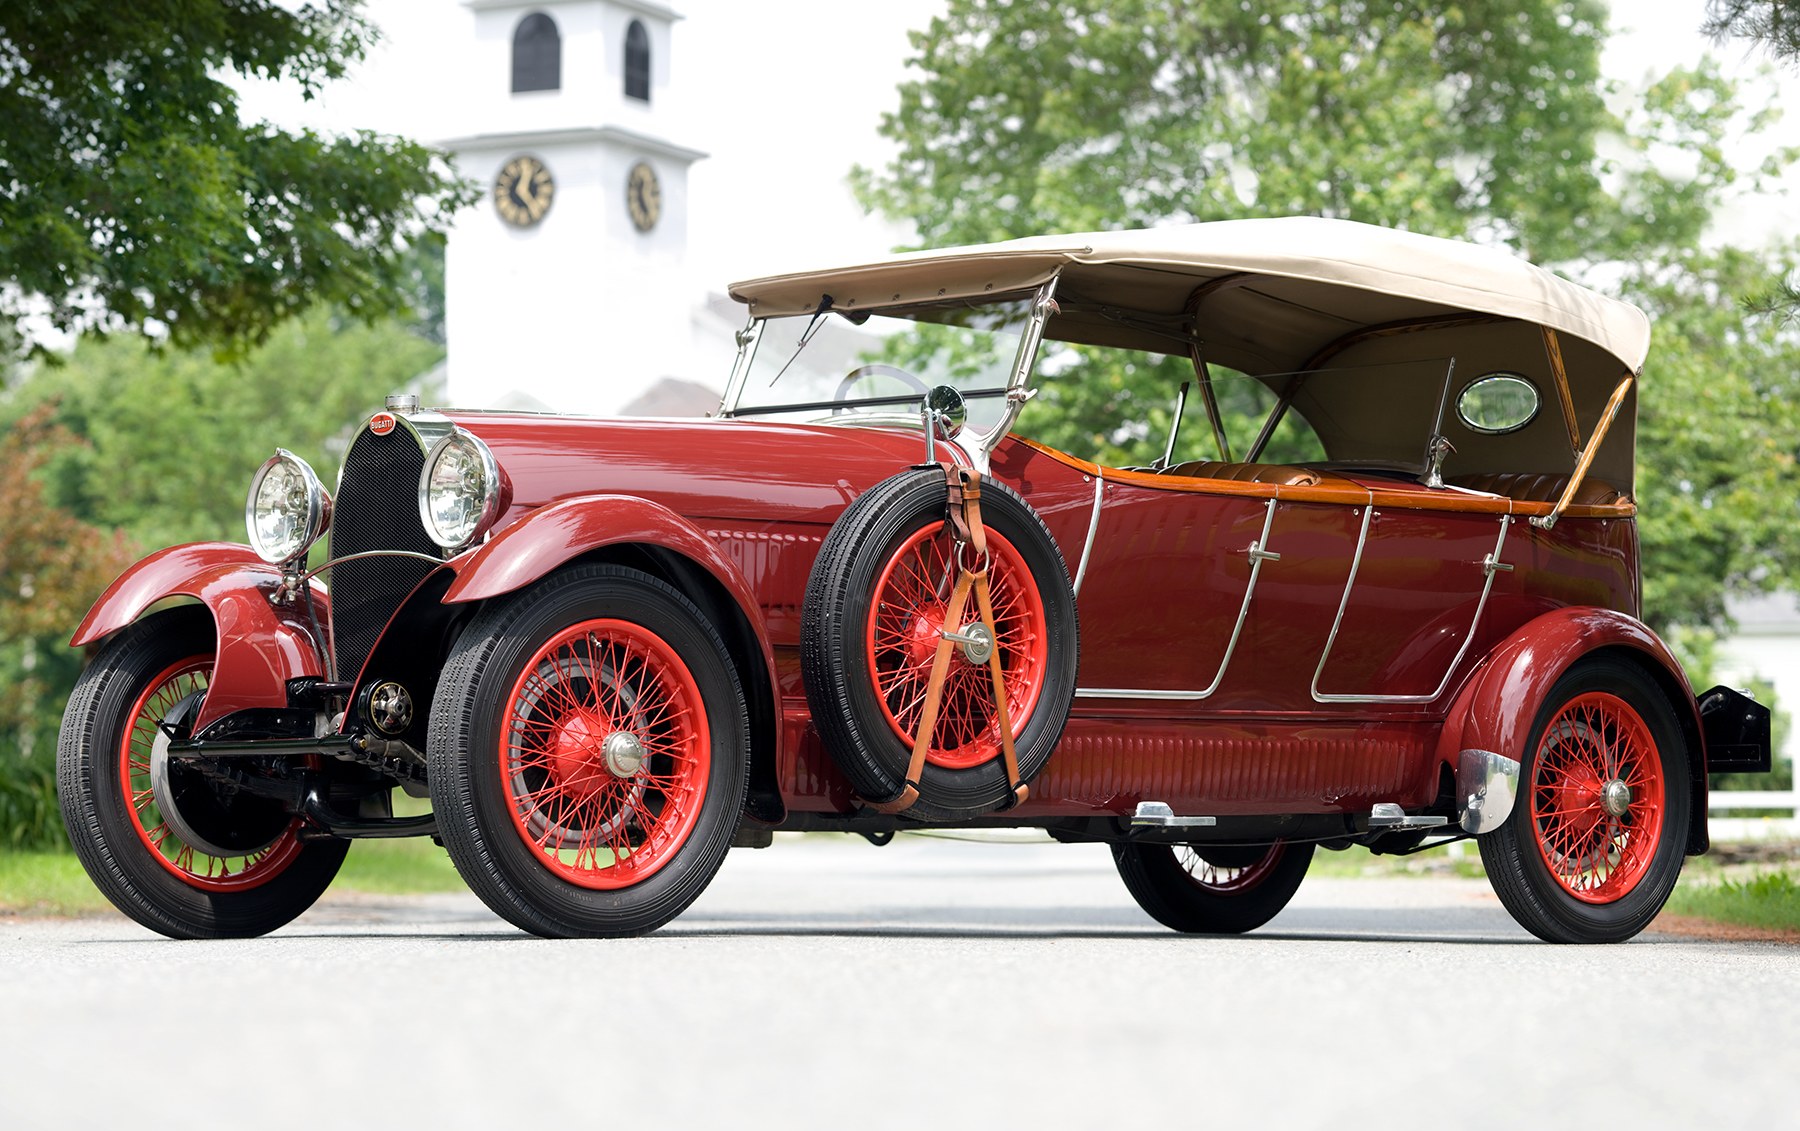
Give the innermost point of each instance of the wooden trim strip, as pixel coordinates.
(1587, 455)
(1336, 489)
(1559, 377)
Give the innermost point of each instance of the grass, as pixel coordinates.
(1743, 894)
(1766, 902)
(414, 866)
(48, 883)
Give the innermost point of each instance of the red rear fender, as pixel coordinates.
(1495, 710)
(261, 645)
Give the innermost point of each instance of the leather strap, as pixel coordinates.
(964, 517)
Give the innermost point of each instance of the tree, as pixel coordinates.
(1481, 120)
(1090, 114)
(192, 430)
(52, 566)
(130, 444)
(132, 198)
(1775, 24)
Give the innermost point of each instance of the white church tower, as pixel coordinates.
(564, 286)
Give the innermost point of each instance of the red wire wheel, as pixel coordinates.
(1595, 841)
(589, 753)
(604, 754)
(179, 855)
(912, 596)
(871, 625)
(1212, 889)
(192, 867)
(1597, 797)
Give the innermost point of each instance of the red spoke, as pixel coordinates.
(1596, 739)
(591, 680)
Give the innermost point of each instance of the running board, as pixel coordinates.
(1388, 817)
(1385, 817)
(1157, 815)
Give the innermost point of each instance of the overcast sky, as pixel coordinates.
(785, 95)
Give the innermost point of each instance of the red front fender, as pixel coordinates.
(1495, 709)
(557, 534)
(261, 645)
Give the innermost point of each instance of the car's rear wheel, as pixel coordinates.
(588, 754)
(1213, 889)
(874, 613)
(189, 855)
(1595, 841)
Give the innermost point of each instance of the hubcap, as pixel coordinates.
(1615, 798)
(623, 753)
(977, 644)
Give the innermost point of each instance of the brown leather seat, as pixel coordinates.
(1533, 487)
(1246, 472)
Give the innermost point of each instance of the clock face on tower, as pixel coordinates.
(523, 190)
(643, 197)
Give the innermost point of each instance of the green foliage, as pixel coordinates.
(173, 436)
(1774, 24)
(139, 201)
(52, 566)
(128, 444)
(1094, 114)
(1769, 902)
(1717, 414)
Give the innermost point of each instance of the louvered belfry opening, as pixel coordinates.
(377, 508)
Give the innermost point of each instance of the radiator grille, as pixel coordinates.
(377, 508)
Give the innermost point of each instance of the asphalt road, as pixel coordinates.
(928, 984)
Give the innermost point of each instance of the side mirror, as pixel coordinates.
(945, 407)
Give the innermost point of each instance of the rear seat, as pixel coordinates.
(1533, 487)
(1246, 472)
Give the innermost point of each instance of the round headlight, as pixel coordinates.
(459, 490)
(287, 509)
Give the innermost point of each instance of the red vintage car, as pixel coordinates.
(1382, 591)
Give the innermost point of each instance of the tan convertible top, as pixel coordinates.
(1282, 288)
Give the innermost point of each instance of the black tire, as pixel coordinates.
(118, 828)
(860, 721)
(1213, 889)
(592, 653)
(1612, 874)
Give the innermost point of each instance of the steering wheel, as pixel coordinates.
(876, 369)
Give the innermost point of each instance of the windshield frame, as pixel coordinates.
(978, 446)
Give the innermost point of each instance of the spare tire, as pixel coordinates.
(869, 631)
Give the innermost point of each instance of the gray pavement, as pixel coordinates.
(827, 983)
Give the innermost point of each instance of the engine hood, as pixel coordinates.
(734, 470)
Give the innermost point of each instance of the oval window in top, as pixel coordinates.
(1497, 403)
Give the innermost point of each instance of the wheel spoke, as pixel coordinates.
(584, 822)
(1596, 742)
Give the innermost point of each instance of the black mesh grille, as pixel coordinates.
(377, 508)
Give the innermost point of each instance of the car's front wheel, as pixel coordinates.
(589, 753)
(1213, 889)
(183, 851)
(1595, 841)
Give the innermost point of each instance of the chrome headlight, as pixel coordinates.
(287, 509)
(460, 490)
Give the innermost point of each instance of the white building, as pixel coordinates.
(566, 286)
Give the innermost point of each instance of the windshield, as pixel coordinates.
(833, 367)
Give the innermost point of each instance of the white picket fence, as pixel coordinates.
(1781, 823)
